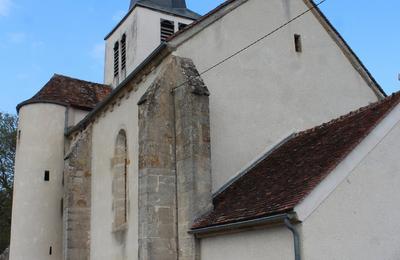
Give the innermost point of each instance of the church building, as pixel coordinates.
(252, 132)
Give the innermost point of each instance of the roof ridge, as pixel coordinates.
(349, 115)
(81, 80)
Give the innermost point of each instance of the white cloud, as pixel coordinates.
(5, 6)
(17, 37)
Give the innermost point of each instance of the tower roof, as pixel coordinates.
(72, 92)
(165, 3)
(176, 7)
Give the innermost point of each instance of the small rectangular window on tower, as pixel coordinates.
(182, 26)
(46, 175)
(297, 43)
(167, 29)
(51, 250)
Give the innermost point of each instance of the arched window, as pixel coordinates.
(123, 52)
(116, 59)
(120, 181)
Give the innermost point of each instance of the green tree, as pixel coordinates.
(8, 135)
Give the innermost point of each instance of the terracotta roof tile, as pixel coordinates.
(70, 92)
(291, 171)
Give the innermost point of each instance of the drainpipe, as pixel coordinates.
(296, 238)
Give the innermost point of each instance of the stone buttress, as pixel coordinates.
(174, 162)
(77, 198)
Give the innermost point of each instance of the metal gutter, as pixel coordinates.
(242, 224)
(156, 53)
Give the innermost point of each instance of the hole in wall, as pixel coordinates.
(46, 175)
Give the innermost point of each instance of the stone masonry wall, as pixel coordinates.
(174, 162)
(157, 177)
(77, 198)
(193, 156)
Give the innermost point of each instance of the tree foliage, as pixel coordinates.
(8, 136)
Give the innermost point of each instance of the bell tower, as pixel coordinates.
(146, 25)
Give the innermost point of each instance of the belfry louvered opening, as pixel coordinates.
(167, 29)
(116, 59)
(123, 52)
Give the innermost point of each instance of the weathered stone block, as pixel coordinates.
(77, 198)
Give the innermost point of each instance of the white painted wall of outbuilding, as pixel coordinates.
(359, 220)
(272, 243)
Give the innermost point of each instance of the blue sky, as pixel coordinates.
(40, 38)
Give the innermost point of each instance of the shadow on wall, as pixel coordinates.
(5, 254)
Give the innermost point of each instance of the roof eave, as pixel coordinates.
(271, 220)
(30, 102)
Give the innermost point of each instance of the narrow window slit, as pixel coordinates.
(297, 43)
(123, 52)
(46, 175)
(51, 250)
(116, 59)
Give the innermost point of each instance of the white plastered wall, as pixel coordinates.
(75, 116)
(105, 244)
(272, 243)
(359, 220)
(142, 29)
(269, 91)
(37, 216)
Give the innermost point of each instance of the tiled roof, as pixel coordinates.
(68, 91)
(290, 172)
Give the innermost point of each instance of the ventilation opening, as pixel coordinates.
(62, 207)
(182, 26)
(167, 29)
(51, 250)
(297, 43)
(116, 59)
(46, 175)
(123, 52)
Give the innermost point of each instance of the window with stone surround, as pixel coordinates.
(120, 182)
